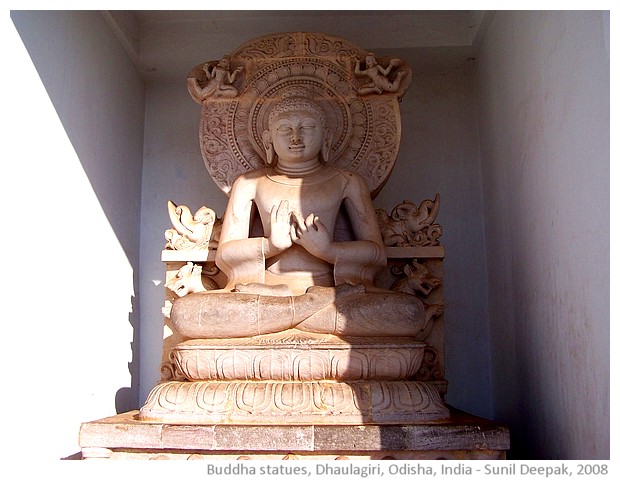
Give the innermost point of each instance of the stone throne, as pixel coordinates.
(294, 376)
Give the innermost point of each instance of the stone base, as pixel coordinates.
(460, 437)
(299, 356)
(300, 403)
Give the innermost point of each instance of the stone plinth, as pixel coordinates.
(300, 403)
(296, 378)
(462, 436)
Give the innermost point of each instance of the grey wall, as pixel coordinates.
(72, 193)
(439, 153)
(543, 88)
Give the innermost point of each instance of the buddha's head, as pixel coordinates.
(296, 129)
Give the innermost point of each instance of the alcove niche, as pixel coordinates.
(507, 117)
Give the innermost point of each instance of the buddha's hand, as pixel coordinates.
(312, 234)
(280, 237)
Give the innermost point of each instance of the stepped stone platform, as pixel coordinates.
(460, 437)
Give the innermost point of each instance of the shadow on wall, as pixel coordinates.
(127, 397)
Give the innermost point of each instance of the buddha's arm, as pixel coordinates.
(362, 257)
(239, 257)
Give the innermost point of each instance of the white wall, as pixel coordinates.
(71, 196)
(544, 125)
(439, 153)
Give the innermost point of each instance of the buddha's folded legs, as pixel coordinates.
(342, 310)
(373, 314)
(231, 314)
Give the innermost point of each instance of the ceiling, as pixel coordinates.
(165, 45)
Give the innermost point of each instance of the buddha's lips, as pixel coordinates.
(297, 147)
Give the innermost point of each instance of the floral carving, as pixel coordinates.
(170, 372)
(430, 369)
(336, 361)
(274, 402)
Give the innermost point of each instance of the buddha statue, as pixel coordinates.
(292, 318)
(295, 276)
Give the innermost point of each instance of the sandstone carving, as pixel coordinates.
(298, 402)
(409, 225)
(418, 280)
(379, 76)
(296, 328)
(199, 231)
(365, 130)
(187, 280)
(299, 357)
(217, 81)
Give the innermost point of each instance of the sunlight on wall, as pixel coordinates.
(68, 281)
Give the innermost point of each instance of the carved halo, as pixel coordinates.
(364, 129)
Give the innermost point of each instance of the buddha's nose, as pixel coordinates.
(296, 137)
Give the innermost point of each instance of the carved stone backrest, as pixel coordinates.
(360, 102)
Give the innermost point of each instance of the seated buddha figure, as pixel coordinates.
(295, 275)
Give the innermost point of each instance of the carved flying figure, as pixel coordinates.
(378, 75)
(406, 219)
(219, 80)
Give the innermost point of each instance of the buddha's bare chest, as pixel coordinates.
(322, 199)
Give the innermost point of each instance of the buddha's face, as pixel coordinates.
(297, 136)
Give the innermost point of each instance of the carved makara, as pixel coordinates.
(199, 231)
(187, 280)
(409, 225)
(417, 279)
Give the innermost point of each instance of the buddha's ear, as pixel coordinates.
(268, 146)
(327, 144)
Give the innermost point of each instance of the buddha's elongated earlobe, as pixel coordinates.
(268, 145)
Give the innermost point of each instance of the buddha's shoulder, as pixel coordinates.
(346, 174)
